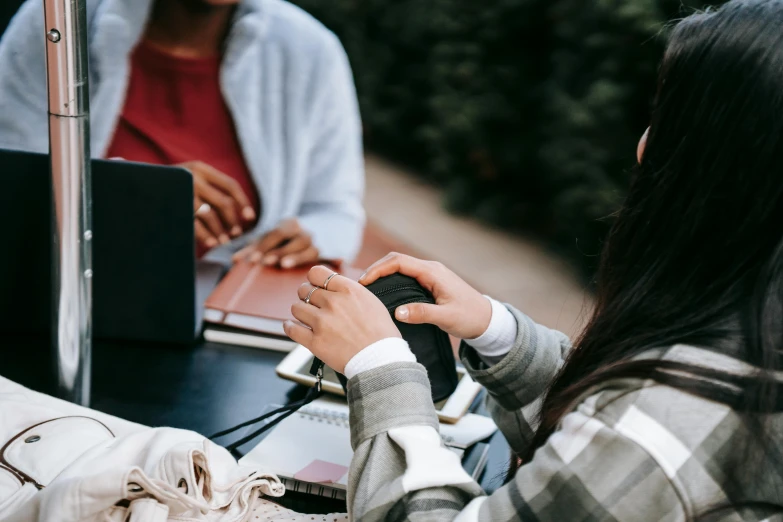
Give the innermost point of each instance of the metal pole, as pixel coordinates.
(69, 148)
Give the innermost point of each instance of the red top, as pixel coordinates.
(175, 112)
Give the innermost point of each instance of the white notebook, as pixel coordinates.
(311, 450)
(253, 340)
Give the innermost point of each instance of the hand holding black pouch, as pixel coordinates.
(430, 344)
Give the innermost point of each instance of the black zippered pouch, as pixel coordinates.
(429, 344)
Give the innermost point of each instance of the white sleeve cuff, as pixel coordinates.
(381, 353)
(500, 335)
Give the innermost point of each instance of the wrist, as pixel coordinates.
(380, 353)
(484, 313)
(499, 335)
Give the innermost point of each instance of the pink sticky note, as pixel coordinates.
(321, 472)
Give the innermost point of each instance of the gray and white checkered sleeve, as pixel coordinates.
(597, 466)
(518, 381)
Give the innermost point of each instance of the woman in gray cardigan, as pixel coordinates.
(254, 97)
(669, 406)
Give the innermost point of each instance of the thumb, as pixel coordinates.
(240, 255)
(418, 313)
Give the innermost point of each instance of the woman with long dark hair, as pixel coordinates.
(669, 405)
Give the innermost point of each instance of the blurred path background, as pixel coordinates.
(508, 267)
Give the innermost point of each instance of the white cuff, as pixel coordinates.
(500, 335)
(385, 351)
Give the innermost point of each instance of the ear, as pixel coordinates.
(642, 145)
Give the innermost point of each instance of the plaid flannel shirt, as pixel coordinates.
(631, 450)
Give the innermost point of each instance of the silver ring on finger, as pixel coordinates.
(326, 283)
(203, 209)
(310, 294)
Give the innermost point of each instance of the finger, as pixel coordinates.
(298, 333)
(199, 206)
(224, 207)
(251, 254)
(418, 313)
(273, 240)
(267, 243)
(305, 313)
(319, 274)
(243, 254)
(256, 257)
(305, 257)
(296, 244)
(222, 204)
(318, 297)
(395, 263)
(231, 187)
(214, 225)
(204, 236)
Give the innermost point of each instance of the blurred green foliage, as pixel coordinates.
(527, 111)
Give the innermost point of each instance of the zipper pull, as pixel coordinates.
(317, 370)
(319, 377)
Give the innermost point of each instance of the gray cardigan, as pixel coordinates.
(287, 83)
(630, 450)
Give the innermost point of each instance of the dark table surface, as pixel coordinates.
(206, 387)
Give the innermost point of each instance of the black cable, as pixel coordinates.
(284, 412)
(312, 394)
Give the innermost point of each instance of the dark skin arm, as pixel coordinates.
(196, 29)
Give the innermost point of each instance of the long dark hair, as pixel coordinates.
(696, 253)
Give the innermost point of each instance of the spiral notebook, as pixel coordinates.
(311, 450)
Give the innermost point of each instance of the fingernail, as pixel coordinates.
(361, 277)
(270, 260)
(211, 242)
(224, 239)
(255, 257)
(286, 325)
(402, 313)
(287, 263)
(236, 231)
(248, 213)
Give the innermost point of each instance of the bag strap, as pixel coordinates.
(317, 370)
